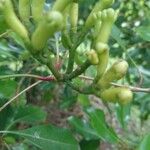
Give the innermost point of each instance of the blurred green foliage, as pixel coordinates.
(130, 39)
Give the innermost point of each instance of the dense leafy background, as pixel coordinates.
(38, 119)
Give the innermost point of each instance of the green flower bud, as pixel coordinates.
(12, 21)
(24, 10)
(74, 10)
(2, 2)
(51, 23)
(37, 9)
(101, 47)
(125, 96)
(100, 5)
(116, 72)
(102, 50)
(119, 94)
(120, 68)
(92, 57)
(108, 17)
(60, 5)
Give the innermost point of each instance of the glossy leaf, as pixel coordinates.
(69, 97)
(29, 114)
(3, 26)
(7, 88)
(84, 100)
(89, 145)
(123, 113)
(5, 115)
(83, 128)
(97, 120)
(47, 137)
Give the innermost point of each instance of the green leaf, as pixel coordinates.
(5, 115)
(9, 47)
(84, 100)
(29, 114)
(48, 137)
(10, 140)
(7, 88)
(69, 97)
(144, 32)
(122, 113)
(83, 128)
(25, 114)
(116, 33)
(3, 26)
(17, 39)
(145, 144)
(97, 120)
(89, 145)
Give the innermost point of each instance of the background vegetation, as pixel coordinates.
(54, 116)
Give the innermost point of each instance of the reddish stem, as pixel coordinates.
(46, 78)
(58, 66)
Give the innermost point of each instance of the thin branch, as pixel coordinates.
(48, 62)
(138, 70)
(49, 78)
(72, 52)
(83, 90)
(79, 70)
(132, 88)
(54, 70)
(71, 60)
(4, 34)
(26, 89)
(86, 78)
(57, 49)
(23, 78)
(141, 78)
(19, 75)
(7, 146)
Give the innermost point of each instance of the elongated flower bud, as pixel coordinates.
(11, 19)
(24, 10)
(92, 57)
(37, 7)
(119, 94)
(99, 6)
(50, 24)
(102, 50)
(108, 17)
(60, 5)
(74, 10)
(116, 72)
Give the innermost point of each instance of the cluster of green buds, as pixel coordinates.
(103, 18)
(115, 94)
(12, 20)
(45, 23)
(35, 26)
